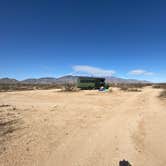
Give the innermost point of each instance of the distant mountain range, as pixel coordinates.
(65, 79)
(122, 80)
(8, 81)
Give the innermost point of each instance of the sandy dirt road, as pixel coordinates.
(86, 128)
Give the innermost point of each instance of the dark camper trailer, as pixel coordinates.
(90, 82)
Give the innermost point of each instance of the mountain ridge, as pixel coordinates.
(65, 79)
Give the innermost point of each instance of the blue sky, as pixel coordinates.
(40, 38)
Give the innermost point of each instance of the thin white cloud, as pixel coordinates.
(90, 70)
(140, 72)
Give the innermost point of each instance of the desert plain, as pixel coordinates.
(85, 128)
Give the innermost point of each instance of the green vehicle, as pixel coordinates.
(90, 82)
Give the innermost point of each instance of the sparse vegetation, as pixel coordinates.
(70, 88)
(65, 87)
(131, 85)
(159, 86)
(124, 88)
(110, 90)
(163, 94)
(34, 120)
(134, 90)
(130, 88)
(20, 87)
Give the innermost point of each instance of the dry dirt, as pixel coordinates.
(86, 128)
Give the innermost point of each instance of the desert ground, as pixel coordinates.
(85, 128)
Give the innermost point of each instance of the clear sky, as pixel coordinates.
(124, 38)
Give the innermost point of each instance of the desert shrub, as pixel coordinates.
(129, 85)
(70, 88)
(159, 86)
(124, 88)
(134, 90)
(21, 87)
(4, 87)
(110, 90)
(130, 88)
(47, 86)
(163, 94)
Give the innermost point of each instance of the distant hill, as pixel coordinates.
(122, 80)
(51, 80)
(8, 81)
(45, 80)
(65, 79)
(73, 79)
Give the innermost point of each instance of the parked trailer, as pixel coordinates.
(90, 82)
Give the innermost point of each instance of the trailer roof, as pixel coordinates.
(86, 77)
